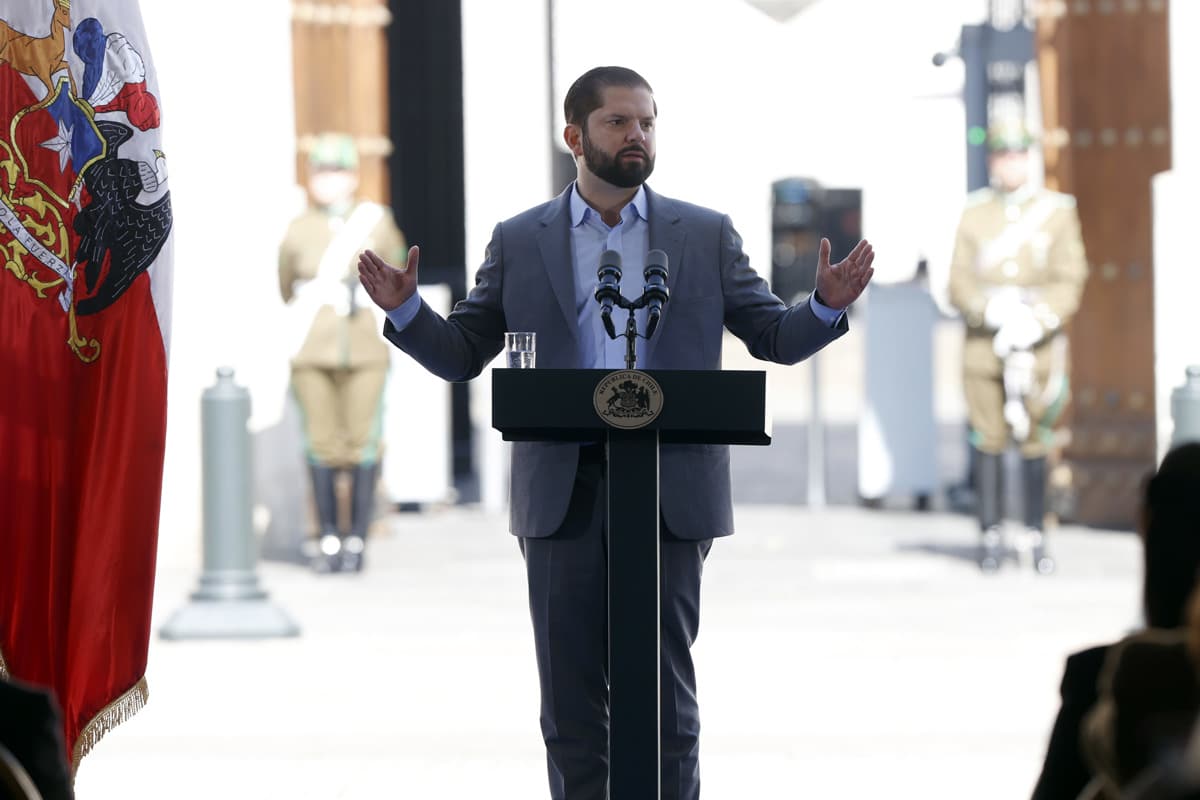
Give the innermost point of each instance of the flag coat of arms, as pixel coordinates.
(85, 274)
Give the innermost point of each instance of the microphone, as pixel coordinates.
(656, 292)
(608, 290)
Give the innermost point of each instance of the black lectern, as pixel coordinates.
(634, 411)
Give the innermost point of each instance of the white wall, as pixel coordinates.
(229, 142)
(883, 118)
(744, 100)
(1176, 267)
(506, 124)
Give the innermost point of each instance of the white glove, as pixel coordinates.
(1020, 332)
(1017, 419)
(318, 292)
(1018, 383)
(1002, 306)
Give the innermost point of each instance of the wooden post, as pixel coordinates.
(1106, 109)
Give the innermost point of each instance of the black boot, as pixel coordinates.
(329, 542)
(989, 488)
(963, 497)
(362, 509)
(1033, 480)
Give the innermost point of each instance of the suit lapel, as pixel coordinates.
(667, 233)
(554, 244)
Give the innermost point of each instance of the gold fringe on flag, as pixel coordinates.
(113, 715)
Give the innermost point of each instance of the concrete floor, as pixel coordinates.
(845, 653)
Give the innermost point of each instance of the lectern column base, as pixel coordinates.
(633, 613)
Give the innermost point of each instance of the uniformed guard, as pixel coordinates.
(340, 367)
(1016, 276)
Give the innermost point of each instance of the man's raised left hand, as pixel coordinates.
(840, 284)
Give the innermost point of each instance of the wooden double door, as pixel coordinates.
(1106, 111)
(340, 69)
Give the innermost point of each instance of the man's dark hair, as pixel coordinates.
(1171, 526)
(587, 92)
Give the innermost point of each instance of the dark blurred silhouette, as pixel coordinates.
(1169, 526)
(31, 733)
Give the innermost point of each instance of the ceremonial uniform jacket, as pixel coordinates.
(1029, 239)
(329, 339)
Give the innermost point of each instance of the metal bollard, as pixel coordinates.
(229, 602)
(1185, 409)
(816, 438)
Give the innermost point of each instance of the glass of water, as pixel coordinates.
(520, 349)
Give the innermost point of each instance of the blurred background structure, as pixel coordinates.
(459, 126)
(876, 108)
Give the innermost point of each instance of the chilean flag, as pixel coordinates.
(85, 279)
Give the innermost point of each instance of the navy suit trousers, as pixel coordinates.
(568, 601)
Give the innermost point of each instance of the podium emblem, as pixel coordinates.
(628, 399)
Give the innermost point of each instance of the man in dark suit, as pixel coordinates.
(539, 274)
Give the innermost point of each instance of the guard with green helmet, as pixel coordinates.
(340, 367)
(1016, 276)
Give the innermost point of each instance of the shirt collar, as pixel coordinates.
(580, 210)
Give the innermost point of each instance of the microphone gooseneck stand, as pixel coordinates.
(631, 332)
(654, 295)
(631, 336)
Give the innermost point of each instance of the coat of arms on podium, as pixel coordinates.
(628, 399)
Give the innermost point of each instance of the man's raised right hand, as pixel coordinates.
(386, 285)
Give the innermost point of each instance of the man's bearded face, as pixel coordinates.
(623, 169)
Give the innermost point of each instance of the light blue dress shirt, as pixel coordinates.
(591, 236)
